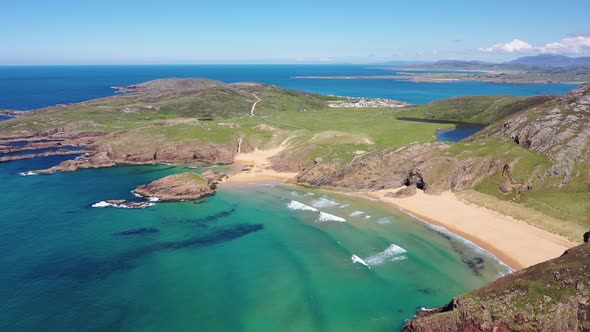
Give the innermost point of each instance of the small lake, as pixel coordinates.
(461, 131)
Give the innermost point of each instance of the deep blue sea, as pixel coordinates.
(255, 257)
(25, 88)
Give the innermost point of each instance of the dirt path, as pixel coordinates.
(240, 139)
(253, 109)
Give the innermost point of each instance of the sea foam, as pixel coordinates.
(384, 221)
(357, 259)
(323, 203)
(295, 205)
(29, 173)
(357, 213)
(324, 217)
(391, 254)
(103, 204)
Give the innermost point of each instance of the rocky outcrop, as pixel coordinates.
(559, 129)
(177, 187)
(422, 165)
(551, 296)
(403, 192)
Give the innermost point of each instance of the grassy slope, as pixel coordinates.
(477, 109)
(207, 115)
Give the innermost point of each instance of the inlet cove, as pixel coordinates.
(228, 263)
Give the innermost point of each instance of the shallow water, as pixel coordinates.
(255, 257)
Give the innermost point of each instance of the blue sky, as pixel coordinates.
(265, 31)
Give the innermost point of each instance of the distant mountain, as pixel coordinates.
(403, 63)
(550, 60)
(462, 63)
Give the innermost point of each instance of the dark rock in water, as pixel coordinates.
(200, 202)
(476, 264)
(215, 217)
(121, 203)
(587, 237)
(116, 202)
(426, 291)
(83, 268)
(138, 231)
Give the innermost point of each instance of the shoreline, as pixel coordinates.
(515, 243)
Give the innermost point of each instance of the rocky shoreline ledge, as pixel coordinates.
(180, 187)
(551, 296)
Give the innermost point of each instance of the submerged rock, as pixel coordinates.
(178, 187)
(138, 231)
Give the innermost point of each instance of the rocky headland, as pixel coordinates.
(551, 296)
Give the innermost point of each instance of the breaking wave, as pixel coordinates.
(384, 221)
(103, 204)
(357, 259)
(323, 203)
(393, 253)
(357, 213)
(325, 217)
(29, 173)
(295, 205)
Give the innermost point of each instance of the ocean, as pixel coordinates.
(25, 88)
(254, 257)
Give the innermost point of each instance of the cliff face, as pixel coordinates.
(551, 296)
(429, 166)
(559, 129)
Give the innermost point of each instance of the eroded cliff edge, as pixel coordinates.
(551, 296)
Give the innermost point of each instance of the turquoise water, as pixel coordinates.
(242, 261)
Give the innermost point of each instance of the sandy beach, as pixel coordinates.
(256, 165)
(514, 242)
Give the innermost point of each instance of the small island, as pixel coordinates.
(178, 187)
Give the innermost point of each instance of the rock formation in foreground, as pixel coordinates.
(177, 187)
(551, 296)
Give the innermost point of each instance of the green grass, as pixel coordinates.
(477, 109)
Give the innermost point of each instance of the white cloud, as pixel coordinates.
(515, 46)
(572, 45)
